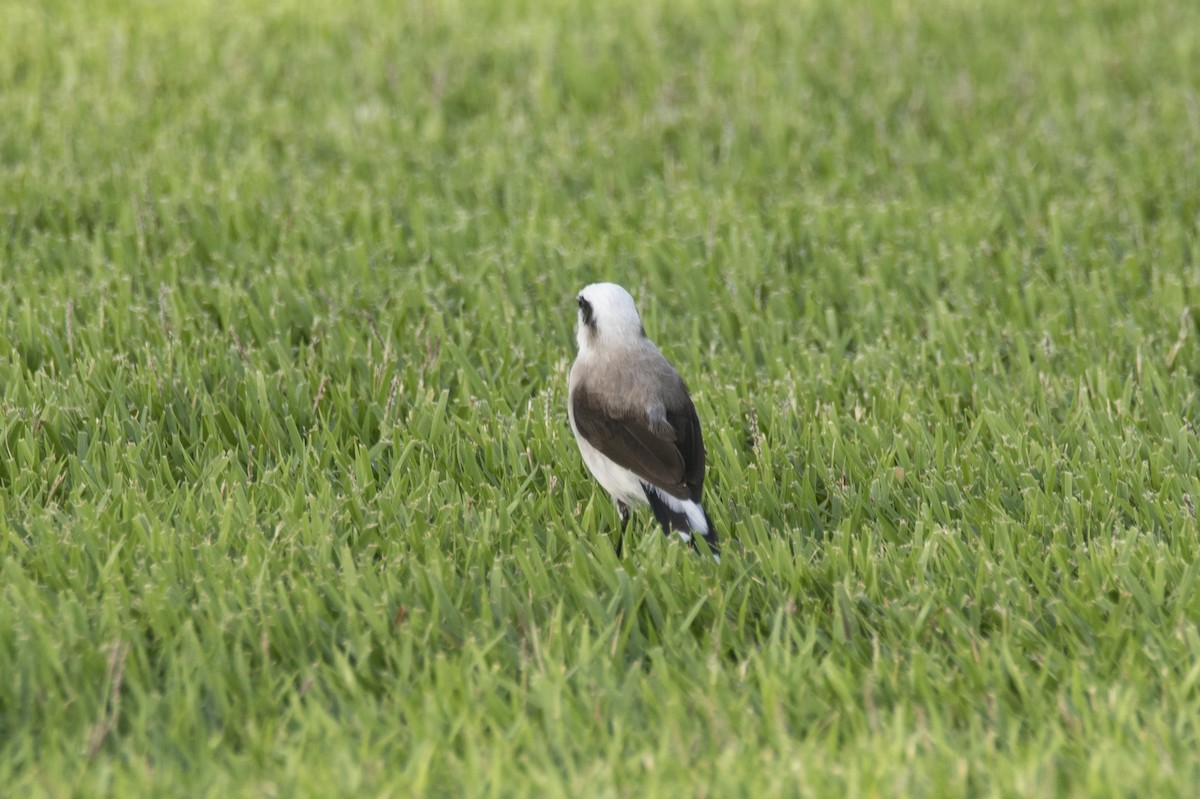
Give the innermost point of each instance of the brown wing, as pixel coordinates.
(690, 444)
(666, 451)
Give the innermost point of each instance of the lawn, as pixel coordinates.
(289, 504)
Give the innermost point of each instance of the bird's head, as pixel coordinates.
(607, 317)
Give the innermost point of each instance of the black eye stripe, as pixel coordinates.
(586, 312)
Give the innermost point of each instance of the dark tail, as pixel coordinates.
(678, 521)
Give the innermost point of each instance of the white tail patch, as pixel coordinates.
(692, 510)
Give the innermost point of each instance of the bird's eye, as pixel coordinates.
(585, 311)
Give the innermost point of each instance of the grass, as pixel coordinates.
(288, 501)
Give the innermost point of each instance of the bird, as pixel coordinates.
(634, 420)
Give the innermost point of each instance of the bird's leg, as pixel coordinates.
(623, 512)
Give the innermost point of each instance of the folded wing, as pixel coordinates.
(662, 446)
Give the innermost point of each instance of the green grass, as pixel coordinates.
(288, 500)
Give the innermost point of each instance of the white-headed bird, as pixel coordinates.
(634, 421)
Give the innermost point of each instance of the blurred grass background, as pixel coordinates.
(288, 500)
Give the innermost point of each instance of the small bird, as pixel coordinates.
(633, 419)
